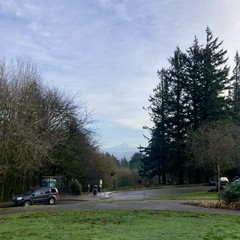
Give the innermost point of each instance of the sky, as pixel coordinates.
(107, 53)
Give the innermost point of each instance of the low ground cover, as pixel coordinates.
(215, 204)
(202, 199)
(118, 225)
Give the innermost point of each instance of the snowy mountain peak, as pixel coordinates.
(121, 151)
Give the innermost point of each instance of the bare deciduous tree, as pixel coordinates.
(35, 122)
(215, 146)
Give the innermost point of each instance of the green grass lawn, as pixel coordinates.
(185, 196)
(190, 196)
(118, 224)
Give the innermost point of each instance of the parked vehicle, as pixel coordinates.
(224, 181)
(236, 181)
(37, 196)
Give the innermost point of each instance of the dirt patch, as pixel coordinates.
(215, 204)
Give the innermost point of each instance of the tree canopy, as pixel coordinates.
(43, 132)
(191, 92)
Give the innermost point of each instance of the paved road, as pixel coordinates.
(177, 205)
(94, 203)
(149, 193)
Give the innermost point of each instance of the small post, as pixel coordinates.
(114, 183)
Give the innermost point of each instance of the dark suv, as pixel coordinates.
(35, 196)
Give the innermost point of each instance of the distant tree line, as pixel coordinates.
(195, 114)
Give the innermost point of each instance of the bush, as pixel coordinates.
(75, 187)
(231, 194)
(124, 177)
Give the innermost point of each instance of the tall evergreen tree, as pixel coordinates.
(193, 84)
(155, 156)
(177, 115)
(135, 161)
(236, 86)
(214, 80)
(196, 82)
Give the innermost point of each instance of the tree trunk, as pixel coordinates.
(218, 177)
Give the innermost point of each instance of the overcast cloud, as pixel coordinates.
(108, 51)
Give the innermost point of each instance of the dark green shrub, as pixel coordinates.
(231, 194)
(75, 187)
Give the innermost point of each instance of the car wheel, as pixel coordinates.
(52, 201)
(27, 203)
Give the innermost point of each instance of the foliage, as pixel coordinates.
(118, 224)
(101, 169)
(135, 160)
(124, 177)
(32, 123)
(75, 187)
(124, 162)
(155, 156)
(119, 173)
(43, 132)
(231, 193)
(235, 89)
(215, 146)
(191, 93)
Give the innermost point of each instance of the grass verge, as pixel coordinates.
(190, 196)
(118, 225)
